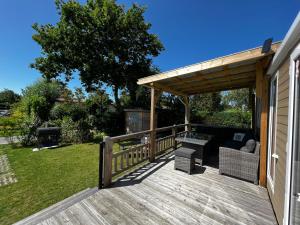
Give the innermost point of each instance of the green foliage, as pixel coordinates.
(8, 97)
(98, 106)
(229, 118)
(39, 98)
(101, 40)
(75, 132)
(208, 102)
(228, 108)
(238, 99)
(9, 126)
(98, 137)
(35, 106)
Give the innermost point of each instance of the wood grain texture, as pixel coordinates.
(158, 194)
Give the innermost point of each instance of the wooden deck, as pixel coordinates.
(158, 194)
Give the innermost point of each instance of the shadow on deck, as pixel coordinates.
(158, 194)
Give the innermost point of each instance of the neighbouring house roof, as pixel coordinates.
(290, 41)
(224, 73)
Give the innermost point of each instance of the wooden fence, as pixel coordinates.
(115, 163)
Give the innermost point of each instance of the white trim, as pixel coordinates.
(272, 132)
(293, 57)
(290, 40)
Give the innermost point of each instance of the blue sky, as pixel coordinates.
(191, 31)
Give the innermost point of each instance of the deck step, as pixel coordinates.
(58, 207)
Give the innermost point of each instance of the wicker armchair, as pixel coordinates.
(240, 164)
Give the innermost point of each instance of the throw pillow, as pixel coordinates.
(238, 137)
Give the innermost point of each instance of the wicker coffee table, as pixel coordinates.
(199, 144)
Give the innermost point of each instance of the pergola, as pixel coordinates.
(246, 69)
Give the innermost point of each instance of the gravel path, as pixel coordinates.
(7, 176)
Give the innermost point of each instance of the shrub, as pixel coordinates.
(75, 131)
(230, 118)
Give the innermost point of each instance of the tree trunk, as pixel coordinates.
(116, 96)
(132, 94)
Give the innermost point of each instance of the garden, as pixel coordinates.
(116, 49)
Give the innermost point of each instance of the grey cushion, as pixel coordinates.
(245, 149)
(250, 144)
(185, 152)
(249, 147)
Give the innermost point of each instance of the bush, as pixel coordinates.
(75, 131)
(230, 118)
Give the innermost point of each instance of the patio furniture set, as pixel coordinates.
(238, 157)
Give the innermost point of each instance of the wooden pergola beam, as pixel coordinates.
(165, 88)
(217, 89)
(219, 83)
(213, 79)
(228, 72)
(229, 60)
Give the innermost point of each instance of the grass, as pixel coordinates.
(45, 178)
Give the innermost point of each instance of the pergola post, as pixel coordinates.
(187, 114)
(252, 108)
(262, 90)
(154, 97)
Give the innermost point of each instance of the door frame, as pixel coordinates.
(289, 145)
(272, 131)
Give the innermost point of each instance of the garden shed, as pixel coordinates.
(136, 120)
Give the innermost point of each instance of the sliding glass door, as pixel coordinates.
(295, 164)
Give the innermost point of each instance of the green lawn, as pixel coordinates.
(46, 177)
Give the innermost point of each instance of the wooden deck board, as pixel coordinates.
(158, 194)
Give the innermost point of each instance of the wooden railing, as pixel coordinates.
(117, 162)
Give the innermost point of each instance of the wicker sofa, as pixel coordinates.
(240, 164)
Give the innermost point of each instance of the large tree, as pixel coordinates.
(8, 97)
(101, 40)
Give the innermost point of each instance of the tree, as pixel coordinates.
(8, 97)
(238, 99)
(39, 98)
(103, 41)
(207, 102)
(35, 107)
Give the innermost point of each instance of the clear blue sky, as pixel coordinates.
(191, 31)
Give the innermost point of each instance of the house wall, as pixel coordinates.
(278, 196)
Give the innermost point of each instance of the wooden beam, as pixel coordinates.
(214, 75)
(244, 56)
(154, 97)
(262, 87)
(210, 90)
(217, 83)
(165, 88)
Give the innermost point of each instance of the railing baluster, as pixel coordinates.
(127, 159)
(116, 164)
(122, 162)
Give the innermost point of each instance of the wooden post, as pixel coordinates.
(108, 150)
(174, 131)
(252, 108)
(187, 113)
(262, 90)
(154, 98)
